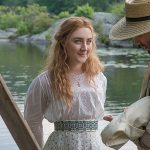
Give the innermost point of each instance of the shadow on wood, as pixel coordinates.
(14, 120)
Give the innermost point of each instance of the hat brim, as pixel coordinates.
(124, 30)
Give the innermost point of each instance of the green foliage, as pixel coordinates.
(63, 14)
(85, 10)
(14, 2)
(41, 22)
(3, 9)
(28, 20)
(117, 9)
(57, 6)
(36, 17)
(102, 37)
(8, 20)
(48, 36)
(22, 28)
(98, 27)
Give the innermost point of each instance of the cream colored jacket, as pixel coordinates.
(133, 124)
(144, 141)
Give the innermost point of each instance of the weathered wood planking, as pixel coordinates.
(14, 120)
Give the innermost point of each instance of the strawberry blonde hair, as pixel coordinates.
(57, 62)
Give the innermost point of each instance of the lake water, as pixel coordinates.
(19, 64)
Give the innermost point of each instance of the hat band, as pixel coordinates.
(138, 19)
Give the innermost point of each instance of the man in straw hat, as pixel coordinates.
(134, 122)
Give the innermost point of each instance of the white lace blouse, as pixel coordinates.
(88, 102)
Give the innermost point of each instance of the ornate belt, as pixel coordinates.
(76, 125)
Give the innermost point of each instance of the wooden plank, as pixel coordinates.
(14, 120)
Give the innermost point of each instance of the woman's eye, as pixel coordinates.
(78, 41)
(89, 42)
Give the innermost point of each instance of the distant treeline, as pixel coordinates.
(35, 16)
(57, 6)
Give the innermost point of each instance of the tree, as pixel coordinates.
(56, 6)
(14, 2)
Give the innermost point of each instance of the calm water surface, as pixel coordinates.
(19, 64)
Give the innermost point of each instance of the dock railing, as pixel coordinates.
(15, 121)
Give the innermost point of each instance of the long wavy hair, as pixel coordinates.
(57, 61)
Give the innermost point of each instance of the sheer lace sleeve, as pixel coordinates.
(105, 86)
(103, 80)
(35, 105)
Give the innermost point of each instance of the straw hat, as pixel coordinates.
(135, 22)
(129, 126)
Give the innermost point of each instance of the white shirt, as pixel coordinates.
(88, 102)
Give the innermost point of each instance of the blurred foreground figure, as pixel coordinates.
(134, 122)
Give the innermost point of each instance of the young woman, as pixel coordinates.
(71, 91)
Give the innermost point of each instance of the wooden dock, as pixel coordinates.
(14, 120)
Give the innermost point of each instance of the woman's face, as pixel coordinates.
(79, 46)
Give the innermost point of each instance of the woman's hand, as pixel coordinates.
(108, 118)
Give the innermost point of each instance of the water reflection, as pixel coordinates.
(124, 70)
(124, 58)
(19, 64)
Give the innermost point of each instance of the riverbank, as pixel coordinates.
(102, 22)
